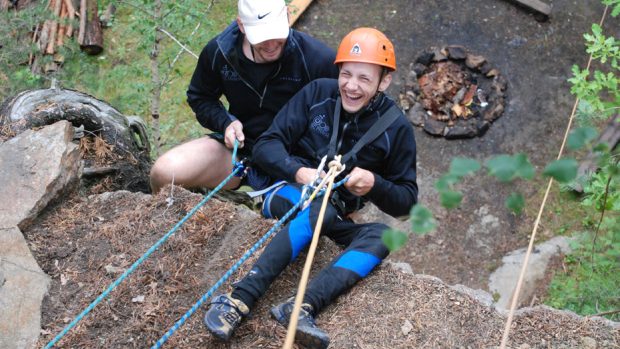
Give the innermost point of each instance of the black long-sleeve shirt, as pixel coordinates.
(219, 72)
(300, 135)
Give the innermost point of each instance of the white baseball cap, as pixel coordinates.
(263, 20)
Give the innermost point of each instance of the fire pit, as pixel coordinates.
(452, 93)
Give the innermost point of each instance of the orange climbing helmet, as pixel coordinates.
(367, 45)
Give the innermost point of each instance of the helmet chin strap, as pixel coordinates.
(383, 74)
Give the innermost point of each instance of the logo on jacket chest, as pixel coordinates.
(319, 125)
(229, 74)
(291, 78)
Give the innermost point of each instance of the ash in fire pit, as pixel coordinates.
(452, 93)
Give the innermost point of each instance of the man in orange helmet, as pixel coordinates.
(350, 116)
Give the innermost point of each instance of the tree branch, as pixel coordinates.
(178, 42)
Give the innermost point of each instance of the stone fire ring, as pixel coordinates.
(486, 107)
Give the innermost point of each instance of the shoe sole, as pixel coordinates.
(301, 337)
(217, 334)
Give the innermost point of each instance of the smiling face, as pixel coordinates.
(268, 51)
(359, 83)
(265, 51)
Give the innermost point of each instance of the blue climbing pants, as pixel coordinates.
(363, 250)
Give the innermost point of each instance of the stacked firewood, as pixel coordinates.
(51, 34)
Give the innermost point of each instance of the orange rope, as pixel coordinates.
(515, 296)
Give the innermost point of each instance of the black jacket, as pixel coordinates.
(300, 134)
(303, 60)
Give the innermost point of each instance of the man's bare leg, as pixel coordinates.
(201, 163)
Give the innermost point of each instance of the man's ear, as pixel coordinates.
(240, 25)
(385, 82)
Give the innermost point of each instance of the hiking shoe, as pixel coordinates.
(224, 315)
(308, 333)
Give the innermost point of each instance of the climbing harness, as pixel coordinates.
(319, 182)
(248, 254)
(336, 166)
(237, 168)
(379, 127)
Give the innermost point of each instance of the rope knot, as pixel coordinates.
(336, 165)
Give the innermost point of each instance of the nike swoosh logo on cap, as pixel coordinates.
(263, 16)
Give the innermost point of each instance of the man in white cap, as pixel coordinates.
(258, 63)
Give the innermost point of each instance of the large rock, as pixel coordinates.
(504, 280)
(22, 287)
(35, 168)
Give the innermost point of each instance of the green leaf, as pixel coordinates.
(515, 203)
(394, 239)
(563, 170)
(462, 167)
(601, 147)
(506, 168)
(422, 220)
(581, 136)
(450, 198)
(525, 169)
(446, 182)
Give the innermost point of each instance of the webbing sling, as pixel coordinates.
(377, 129)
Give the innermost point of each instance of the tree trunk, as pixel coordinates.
(94, 118)
(155, 79)
(92, 42)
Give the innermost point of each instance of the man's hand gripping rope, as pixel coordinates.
(335, 168)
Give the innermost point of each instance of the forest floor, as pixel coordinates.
(85, 244)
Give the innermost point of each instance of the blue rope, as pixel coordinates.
(223, 279)
(236, 266)
(234, 154)
(142, 259)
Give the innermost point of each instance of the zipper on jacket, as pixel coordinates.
(242, 79)
(260, 105)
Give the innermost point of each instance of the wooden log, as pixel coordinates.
(82, 28)
(5, 5)
(44, 36)
(35, 38)
(71, 15)
(296, 8)
(36, 108)
(62, 28)
(537, 6)
(54, 27)
(93, 33)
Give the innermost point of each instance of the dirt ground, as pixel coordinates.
(85, 244)
(535, 58)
